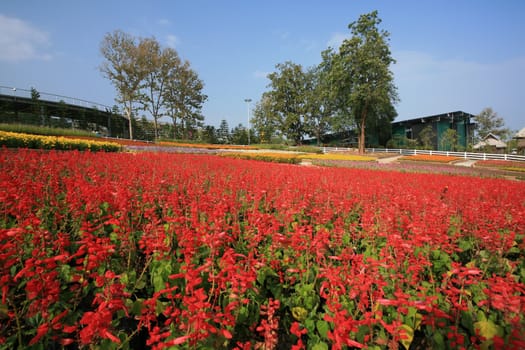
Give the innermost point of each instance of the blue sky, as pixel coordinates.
(451, 55)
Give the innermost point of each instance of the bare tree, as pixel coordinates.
(124, 67)
(162, 65)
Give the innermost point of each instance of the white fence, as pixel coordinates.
(465, 155)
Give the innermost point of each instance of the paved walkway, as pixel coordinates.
(389, 159)
(468, 163)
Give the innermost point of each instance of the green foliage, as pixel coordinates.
(351, 88)
(488, 121)
(426, 137)
(223, 134)
(361, 80)
(287, 99)
(449, 140)
(306, 149)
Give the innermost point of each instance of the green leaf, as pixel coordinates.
(407, 337)
(140, 284)
(466, 321)
(310, 325)
(320, 346)
(322, 327)
(464, 245)
(439, 341)
(160, 306)
(113, 237)
(487, 329)
(160, 270)
(363, 330)
(136, 309)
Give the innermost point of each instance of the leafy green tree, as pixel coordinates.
(287, 100)
(124, 67)
(488, 121)
(319, 106)
(35, 95)
(427, 136)
(37, 105)
(184, 99)
(449, 140)
(223, 134)
(209, 134)
(263, 121)
(239, 135)
(360, 75)
(341, 119)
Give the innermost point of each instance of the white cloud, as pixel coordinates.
(172, 41)
(20, 41)
(337, 39)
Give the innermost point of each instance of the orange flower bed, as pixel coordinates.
(502, 164)
(430, 158)
(203, 145)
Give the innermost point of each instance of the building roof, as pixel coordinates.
(447, 116)
(490, 140)
(520, 134)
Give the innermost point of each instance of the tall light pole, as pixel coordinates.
(248, 100)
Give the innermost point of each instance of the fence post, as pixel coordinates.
(505, 156)
(465, 155)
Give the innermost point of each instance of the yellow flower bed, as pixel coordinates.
(282, 157)
(20, 140)
(275, 157)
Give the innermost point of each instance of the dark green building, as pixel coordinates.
(436, 128)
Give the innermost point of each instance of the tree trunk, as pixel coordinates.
(156, 127)
(361, 141)
(130, 127)
(128, 112)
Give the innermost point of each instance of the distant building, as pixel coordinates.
(491, 144)
(459, 121)
(520, 137)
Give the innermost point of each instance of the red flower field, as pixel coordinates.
(156, 250)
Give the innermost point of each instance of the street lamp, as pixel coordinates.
(248, 100)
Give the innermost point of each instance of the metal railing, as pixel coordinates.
(44, 96)
(464, 155)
